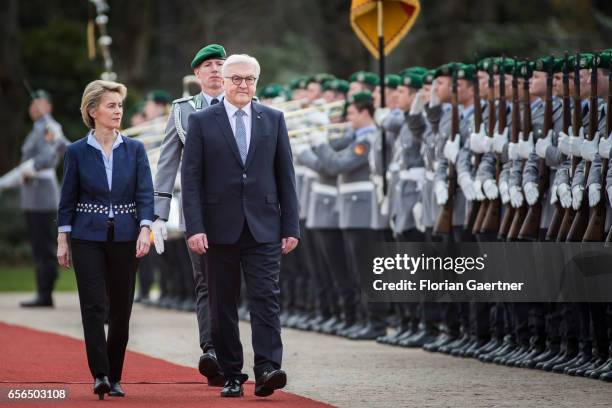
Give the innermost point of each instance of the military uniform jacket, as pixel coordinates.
(355, 188)
(41, 192)
(171, 153)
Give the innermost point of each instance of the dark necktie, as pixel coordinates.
(214, 101)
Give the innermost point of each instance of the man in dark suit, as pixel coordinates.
(240, 207)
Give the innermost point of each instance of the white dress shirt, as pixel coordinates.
(231, 115)
(209, 98)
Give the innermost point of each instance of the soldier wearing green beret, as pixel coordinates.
(206, 66)
(272, 93)
(362, 81)
(157, 104)
(314, 86)
(335, 90)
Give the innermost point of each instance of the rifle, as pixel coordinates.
(444, 223)
(581, 218)
(557, 217)
(509, 210)
(484, 205)
(474, 206)
(597, 223)
(568, 215)
(521, 212)
(492, 218)
(531, 225)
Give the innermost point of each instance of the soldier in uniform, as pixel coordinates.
(207, 65)
(335, 90)
(40, 154)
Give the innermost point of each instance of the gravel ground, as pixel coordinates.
(338, 371)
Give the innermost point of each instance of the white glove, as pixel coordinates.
(590, 148)
(516, 196)
(318, 118)
(478, 194)
(504, 192)
(160, 234)
(577, 193)
(380, 114)
(300, 148)
(480, 142)
(565, 195)
(594, 194)
(531, 192)
(451, 149)
(434, 99)
(418, 104)
(563, 143)
(605, 144)
(609, 191)
(417, 213)
(542, 145)
(500, 140)
(441, 192)
(467, 186)
(27, 169)
(318, 138)
(525, 147)
(513, 153)
(576, 143)
(553, 195)
(490, 189)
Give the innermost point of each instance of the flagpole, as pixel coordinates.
(381, 68)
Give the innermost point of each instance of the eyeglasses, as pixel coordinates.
(237, 80)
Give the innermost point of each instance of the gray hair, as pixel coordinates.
(241, 59)
(93, 94)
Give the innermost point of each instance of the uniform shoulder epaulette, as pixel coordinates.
(184, 99)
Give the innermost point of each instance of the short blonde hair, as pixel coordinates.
(93, 94)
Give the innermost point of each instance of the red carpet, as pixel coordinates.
(28, 356)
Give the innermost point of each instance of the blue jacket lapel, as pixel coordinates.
(119, 169)
(226, 129)
(256, 132)
(95, 157)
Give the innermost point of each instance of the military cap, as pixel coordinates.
(295, 83)
(392, 81)
(604, 60)
(159, 96)
(545, 64)
(466, 71)
(499, 63)
(366, 77)
(484, 64)
(41, 93)
(208, 52)
(428, 77)
(446, 69)
(412, 80)
(361, 96)
(338, 85)
(139, 107)
(585, 61)
(321, 78)
(526, 69)
(272, 91)
(418, 70)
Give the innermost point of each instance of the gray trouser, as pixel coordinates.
(202, 307)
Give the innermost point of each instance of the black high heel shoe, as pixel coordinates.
(101, 386)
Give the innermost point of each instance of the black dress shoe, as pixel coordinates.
(116, 390)
(209, 367)
(233, 386)
(369, 332)
(419, 339)
(270, 381)
(101, 386)
(37, 302)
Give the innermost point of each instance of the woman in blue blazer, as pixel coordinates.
(104, 218)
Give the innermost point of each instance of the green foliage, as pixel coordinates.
(14, 246)
(21, 279)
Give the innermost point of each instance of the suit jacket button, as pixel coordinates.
(243, 175)
(354, 198)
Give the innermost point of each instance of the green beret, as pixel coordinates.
(296, 83)
(392, 81)
(41, 93)
(159, 96)
(604, 60)
(585, 61)
(484, 64)
(466, 71)
(412, 80)
(361, 96)
(210, 51)
(545, 64)
(139, 107)
(272, 91)
(526, 69)
(321, 78)
(365, 77)
(446, 69)
(502, 63)
(417, 70)
(336, 85)
(428, 77)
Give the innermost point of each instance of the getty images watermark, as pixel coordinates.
(487, 272)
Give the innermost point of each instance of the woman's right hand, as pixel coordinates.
(63, 250)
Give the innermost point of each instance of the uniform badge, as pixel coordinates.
(360, 149)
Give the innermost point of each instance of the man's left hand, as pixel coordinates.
(288, 244)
